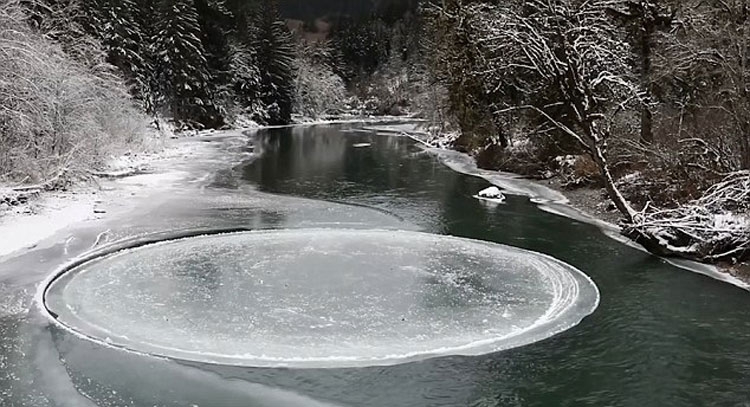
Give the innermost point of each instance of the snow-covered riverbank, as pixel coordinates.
(127, 179)
(585, 204)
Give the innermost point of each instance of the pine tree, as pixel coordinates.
(362, 46)
(240, 11)
(233, 56)
(146, 17)
(458, 65)
(182, 69)
(274, 48)
(246, 79)
(216, 26)
(115, 23)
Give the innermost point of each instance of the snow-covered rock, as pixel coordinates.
(493, 194)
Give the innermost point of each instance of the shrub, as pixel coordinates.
(319, 90)
(59, 117)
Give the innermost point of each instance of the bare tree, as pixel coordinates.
(319, 91)
(644, 18)
(570, 62)
(587, 70)
(458, 60)
(59, 117)
(706, 62)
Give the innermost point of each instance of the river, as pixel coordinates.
(661, 336)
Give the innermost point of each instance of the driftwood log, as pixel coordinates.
(714, 228)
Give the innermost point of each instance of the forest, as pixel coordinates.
(646, 99)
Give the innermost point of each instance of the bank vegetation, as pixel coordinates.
(647, 99)
(62, 112)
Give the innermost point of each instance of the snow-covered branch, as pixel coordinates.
(712, 228)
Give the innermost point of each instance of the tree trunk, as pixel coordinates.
(647, 124)
(745, 147)
(745, 136)
(609, 184)
(647, 134)
(598, 147)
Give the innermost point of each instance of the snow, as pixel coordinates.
(566, 161)
(25, 226)
(246, 123)
(351, 119)
(631, 178)
(510, 183)
(716, 224)
(731, 221)
(492, 193)
(154, 181)
(20, 230)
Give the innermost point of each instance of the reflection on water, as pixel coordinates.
(322, 163)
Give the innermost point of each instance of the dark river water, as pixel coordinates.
(661, 336)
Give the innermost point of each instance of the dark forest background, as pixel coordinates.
(312, 9)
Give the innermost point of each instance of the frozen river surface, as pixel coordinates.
(321, 298)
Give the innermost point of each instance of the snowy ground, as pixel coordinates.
(128, 178)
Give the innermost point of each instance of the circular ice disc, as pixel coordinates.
(320, 298)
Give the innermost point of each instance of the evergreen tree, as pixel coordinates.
(362, 46)
(115, 23)
(146, 18)
(244, 74)
(182, 69)
(246, 78)
(274, 48)
(240, 11)
(460, 66)
(216, 25)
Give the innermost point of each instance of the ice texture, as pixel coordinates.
(321, 298)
